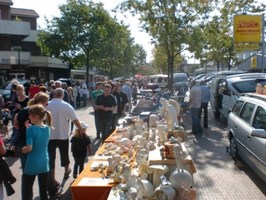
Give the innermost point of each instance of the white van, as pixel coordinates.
(225, 91)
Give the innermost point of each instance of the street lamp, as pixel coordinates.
(18, 49)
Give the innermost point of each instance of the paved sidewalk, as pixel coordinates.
(217, 176)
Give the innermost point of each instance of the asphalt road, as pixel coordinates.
(217, 176)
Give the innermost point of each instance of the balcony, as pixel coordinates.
(15, 57)
(8, 27)
(48, 62)
(32, 36)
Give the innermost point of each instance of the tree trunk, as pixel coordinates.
(87, 68)
(170, 62)
(218, 65)
(111, 71)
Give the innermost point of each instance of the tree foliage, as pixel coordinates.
(160, 60)
(86, 35)
(212, 37)
(201, 26)
(168, 22)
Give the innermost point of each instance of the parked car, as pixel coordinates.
(5, 90)
(180, 83)
(157, 81)
(68, 81)
(247, 132)
(225, 90)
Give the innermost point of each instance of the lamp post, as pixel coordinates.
(18, 49)
(262, 44)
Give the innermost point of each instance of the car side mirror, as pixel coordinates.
(261, 133)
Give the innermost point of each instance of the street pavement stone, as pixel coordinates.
(218, 177)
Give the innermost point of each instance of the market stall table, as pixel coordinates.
(91, 184)
(94, 184)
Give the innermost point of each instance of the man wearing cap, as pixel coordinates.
(98, 91)
(105, 103)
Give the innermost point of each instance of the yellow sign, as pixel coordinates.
(253, 62)
(247, 46)
(247, 28)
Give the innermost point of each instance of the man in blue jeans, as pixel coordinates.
(205, 98)
(195, 104)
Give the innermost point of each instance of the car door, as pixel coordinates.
(258, 145)
(228, 98)
(243, 130)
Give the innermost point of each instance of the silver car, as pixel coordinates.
(247, 132)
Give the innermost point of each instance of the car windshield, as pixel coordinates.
(180, 79)
(248, 86)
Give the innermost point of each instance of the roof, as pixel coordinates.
(6, 2)
(246, 76)
(24, 12)
(255, 96)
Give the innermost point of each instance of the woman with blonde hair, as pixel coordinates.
(19, 123)
(36, 148)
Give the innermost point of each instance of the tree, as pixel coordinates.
(168, 22)
(85, 34)
(139, 58)
(160, 60)
(212, 38)
(112, 49)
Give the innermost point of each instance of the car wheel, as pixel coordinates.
(233, 148)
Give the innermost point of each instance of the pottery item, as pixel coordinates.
(169, 113)
(153, 134)
(181, 178)
(148, 189)
(132, 193)
(142, 156)
(123, 141)
(146, 135)
(165, 191)
(153, 120)
(176, 105)
(155, 172)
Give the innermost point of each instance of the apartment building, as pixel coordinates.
(20, 57)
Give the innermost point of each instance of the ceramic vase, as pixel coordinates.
(164, 192)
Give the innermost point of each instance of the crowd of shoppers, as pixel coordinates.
(34, 111)
(41, 117)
